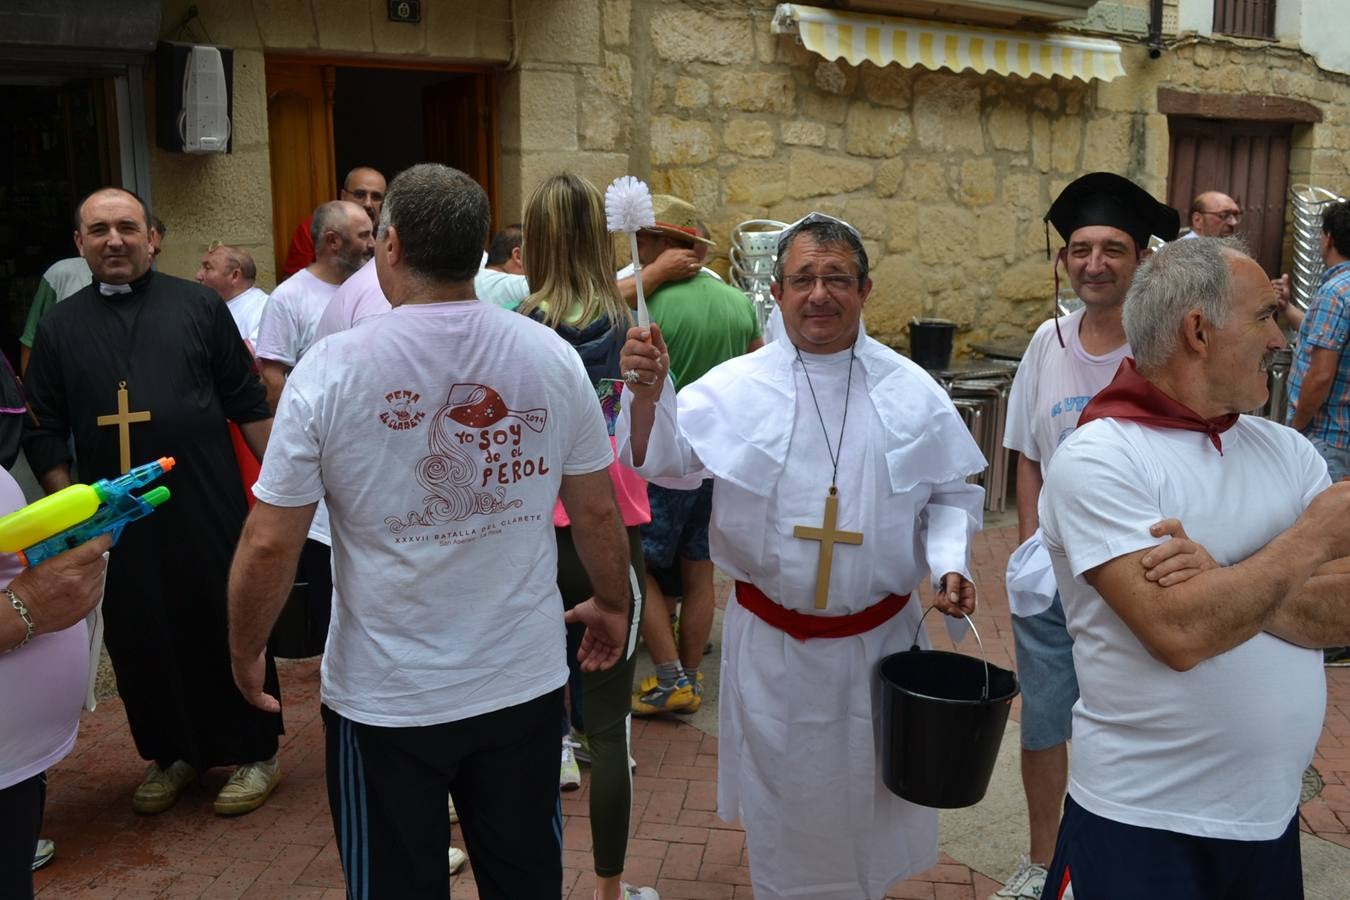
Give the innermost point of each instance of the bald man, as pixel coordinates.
(363, 186)
(1215, 214)
(136, 366)
(230, 272)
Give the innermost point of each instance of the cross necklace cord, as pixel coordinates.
(827, 533)
(124, 418)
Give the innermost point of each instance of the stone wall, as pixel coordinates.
(229, 196)
(947, 175)
(570, 103)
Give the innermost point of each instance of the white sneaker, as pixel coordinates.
(457, 859)
(46, 849)
(628, 892)
(248, 788)
(569, 776)
(450, 805)
(1027, 882)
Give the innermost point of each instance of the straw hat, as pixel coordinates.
(677, 219)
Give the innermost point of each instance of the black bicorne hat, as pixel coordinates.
(1104, 198)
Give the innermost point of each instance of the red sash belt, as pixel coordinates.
(804, 627)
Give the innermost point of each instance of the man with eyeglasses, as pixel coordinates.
(839, 479)
(363, 186)
(1215, 214)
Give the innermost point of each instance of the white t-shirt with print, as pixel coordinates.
(439, 435)
(1218, 751)
(1052, 386)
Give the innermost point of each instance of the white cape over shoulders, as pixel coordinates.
(799, 720)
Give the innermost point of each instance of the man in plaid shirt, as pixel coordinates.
(1319, 383)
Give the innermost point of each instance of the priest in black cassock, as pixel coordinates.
(136, 366)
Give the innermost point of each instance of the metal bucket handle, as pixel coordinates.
(984, 695)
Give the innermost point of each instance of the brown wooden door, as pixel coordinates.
(1248, 161)
(459, 130)
(300, 142)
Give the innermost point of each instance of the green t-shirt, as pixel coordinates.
(704, 322)
(59, 281)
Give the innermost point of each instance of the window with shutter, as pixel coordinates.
(1245, 18)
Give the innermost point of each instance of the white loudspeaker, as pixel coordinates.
(204, 123)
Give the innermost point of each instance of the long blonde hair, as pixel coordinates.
(569, 255)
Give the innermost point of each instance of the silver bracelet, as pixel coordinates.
(22, 610)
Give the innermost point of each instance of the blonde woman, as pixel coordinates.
(569, 260)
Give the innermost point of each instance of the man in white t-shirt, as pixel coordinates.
(442, 434)
(230, 272)
(343, 241)
(1202, 688)
(1105, 221)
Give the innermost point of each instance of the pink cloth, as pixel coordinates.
(630, 490)
(45, 681)
(357, 298)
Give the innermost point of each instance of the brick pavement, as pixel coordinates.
(287, 850)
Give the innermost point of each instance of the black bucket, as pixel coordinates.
(942, 721)
(930, 342)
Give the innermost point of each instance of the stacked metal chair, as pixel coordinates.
(1308, 205)
(754, 249)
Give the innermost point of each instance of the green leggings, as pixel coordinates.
(606, 699)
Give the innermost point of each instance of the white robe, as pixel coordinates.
(799, 720)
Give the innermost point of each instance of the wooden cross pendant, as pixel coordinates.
(123, 419)
(828, 536)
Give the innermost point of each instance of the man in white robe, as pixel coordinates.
(800, 719)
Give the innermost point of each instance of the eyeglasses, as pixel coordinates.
(1224, 215)
(835, 284)
(229, 265)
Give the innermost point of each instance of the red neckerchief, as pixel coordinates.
(1133, 397)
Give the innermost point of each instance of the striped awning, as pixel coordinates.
(882, 40)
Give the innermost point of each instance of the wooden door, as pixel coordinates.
(1248, 161)
(300, 144)
(459, 129)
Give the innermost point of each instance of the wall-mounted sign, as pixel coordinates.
(409, 11)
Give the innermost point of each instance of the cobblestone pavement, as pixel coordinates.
(287, 850)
